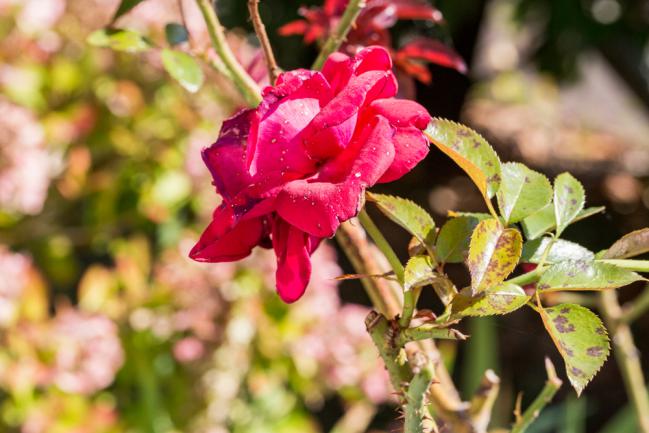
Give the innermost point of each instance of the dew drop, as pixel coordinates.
(358, 173)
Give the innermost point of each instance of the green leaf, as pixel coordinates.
(629, 245)
(176, 33)
(585, 275)
(124, 7)
(183, 68)
(419, 272)
(561, 250)
(119, 40)
(501, 299)
(543, 221)
(569, 199)
(493, 254)
(522, 192)
(454, 237)
(471, 152)
(408, 215)
(581, 340)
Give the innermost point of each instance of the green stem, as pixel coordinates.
(634, 265)
(425, 332)
(637, 308)
(240, 77)
(334, 41)
(626, 355)
(380, 330)
(382, 244)
(532, 412)
(416, 415)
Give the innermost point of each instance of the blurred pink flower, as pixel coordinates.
(88, 351)
(13, 268)
(26, 166)
(188, 349)
(39, 15)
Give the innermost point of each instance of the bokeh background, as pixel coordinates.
(107, 326)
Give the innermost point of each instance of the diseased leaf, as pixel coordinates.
(184, 69)
(585, 275)
(420, 272)
(569, 199)
(543, 221)
(453, 239)
(471, 152)
(493, 254)
(176, 33)
(561, 250)
(629, 245)
(522, 192)
(581, 340)
(501, 299)
(408, 215)
(119, 40)
(124, 7)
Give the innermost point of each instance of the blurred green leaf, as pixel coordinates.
(184, 69)
(561, 250)
(569, 200)
(176, 33)
(124, 7)
(585, 275)
(581, 340)
(471, 152)
(453, 240)
(125, 40)
(408, 215)
(493, 254)
(501, 299)
(522, 192)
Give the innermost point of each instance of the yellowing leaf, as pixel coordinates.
(471, 152)
(493, 254)
(420, 272)
(501, 299)
(581, 339)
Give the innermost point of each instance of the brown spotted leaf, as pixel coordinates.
(629, 245)
(581, 339)
(501, 299)
(585, 275)
(493, 254)
(569, 200)
(471, 152)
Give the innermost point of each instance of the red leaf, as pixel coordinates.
(297, 27)
(433, 51)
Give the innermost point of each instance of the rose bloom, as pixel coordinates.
(291, 170)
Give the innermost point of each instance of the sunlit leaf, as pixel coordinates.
(419, 272)
(581, 339)
(408, 215)
(176, 33)
(522, 192)
(471, 152)
(493, 254)
(501, 299)
(629, 245)
(585, 275)
(543, 221)
(561, 250)
(119, 40)
(569, 199)
(183, 68)
(124, 7)
(453, 240)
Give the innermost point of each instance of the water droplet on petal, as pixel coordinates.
(358, 173)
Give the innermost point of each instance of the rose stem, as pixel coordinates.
(260, 30)
(334, 41)
(240, 77)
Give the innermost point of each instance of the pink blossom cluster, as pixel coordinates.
(14, 269)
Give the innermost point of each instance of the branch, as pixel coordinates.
(260, 30)
(356, 419)
(338, 36)
(483, 400)
(417, 416)
(549, 390)
(240, 77)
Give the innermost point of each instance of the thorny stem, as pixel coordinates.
(345, 24)
(239, 76)
(417, 418)
(627, 357)
(532, 412)
(260, 30)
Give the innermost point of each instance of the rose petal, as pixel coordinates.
(337, 69)
(318, 205)
(372, 58)
(292, 248)
(225, 241)
(226, 157)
